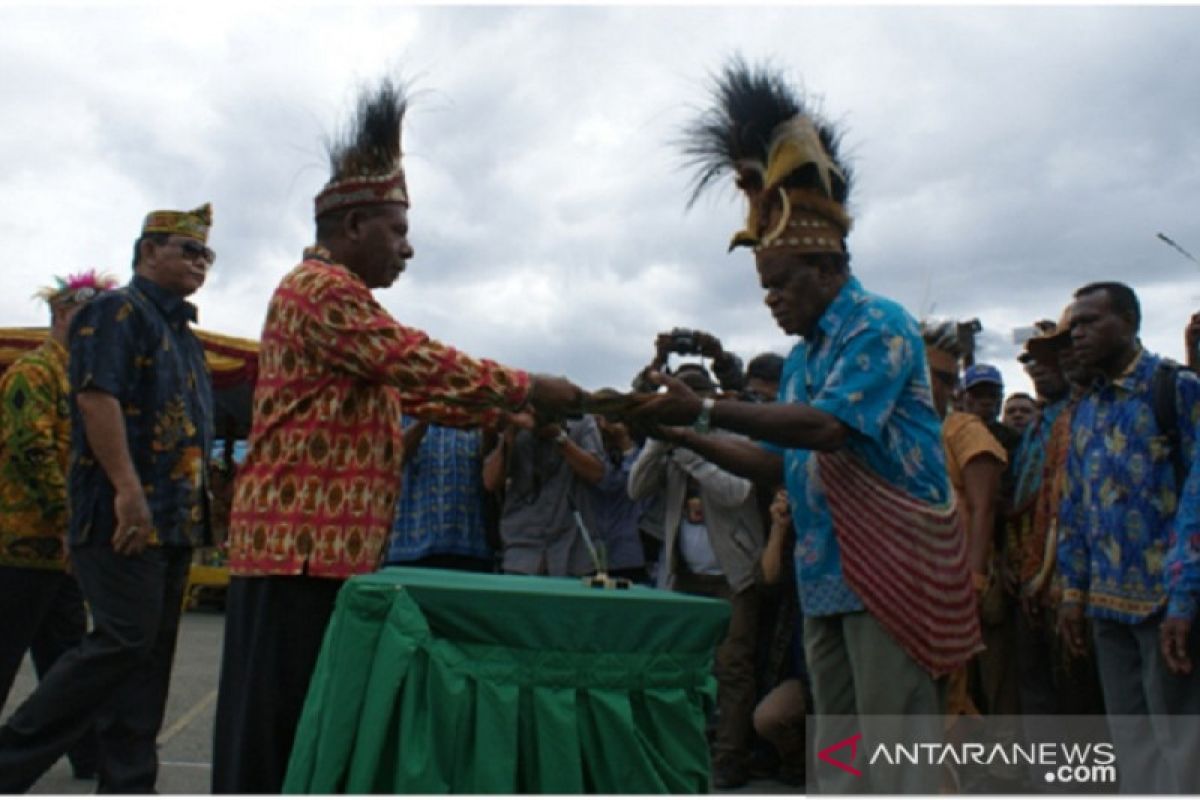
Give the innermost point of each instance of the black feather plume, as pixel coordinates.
(748, 104)
(371, 144)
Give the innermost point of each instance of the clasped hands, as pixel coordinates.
(552, 398)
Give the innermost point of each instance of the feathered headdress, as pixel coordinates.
(942, 335)
(943, 344)
(76, 289)
(783, 157)
(364, 163)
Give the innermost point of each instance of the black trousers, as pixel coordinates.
(115, 679)
(734, 668)
(42, 613)
(1050, 681)
(274, 627)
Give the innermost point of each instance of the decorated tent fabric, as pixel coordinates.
(233, 361)
(433, 682)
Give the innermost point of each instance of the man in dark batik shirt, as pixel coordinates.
(141, 437)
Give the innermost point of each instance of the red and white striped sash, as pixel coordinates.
(906, 560)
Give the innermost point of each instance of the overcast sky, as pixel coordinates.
(1004, 157)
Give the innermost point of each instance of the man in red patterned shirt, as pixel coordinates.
(314, 500)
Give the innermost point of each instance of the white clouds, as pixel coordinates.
(1004, 157)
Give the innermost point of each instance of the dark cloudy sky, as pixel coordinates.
(1004, 157)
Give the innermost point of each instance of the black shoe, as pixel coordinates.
(729, 777)
(791, 774)
(763, 764)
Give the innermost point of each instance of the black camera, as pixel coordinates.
(684, 342)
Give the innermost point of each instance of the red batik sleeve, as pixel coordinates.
(436, 382)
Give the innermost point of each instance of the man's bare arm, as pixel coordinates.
(586, 465)
(788, 425)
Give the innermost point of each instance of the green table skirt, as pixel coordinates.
(432, 681)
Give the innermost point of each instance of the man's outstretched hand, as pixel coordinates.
(553, 397)
(679, 405)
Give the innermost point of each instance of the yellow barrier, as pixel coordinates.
(201, 577)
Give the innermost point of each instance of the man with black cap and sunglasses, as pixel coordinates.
(141, 434)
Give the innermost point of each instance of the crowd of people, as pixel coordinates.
(894, 535)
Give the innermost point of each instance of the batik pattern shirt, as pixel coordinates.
(136, 344)
(1118, 516)
(318, 489)
(440, 510)
(865, 365)
(35, 443)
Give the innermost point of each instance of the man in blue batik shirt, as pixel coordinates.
(1127, 547)
(141, 434)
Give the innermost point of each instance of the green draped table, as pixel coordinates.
(432, 681)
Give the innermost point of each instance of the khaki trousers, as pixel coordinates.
(858, 670)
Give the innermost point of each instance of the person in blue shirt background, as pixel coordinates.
(440, 513)
(1127, 548)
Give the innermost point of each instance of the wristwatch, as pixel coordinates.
(703, 422)
(562, 438)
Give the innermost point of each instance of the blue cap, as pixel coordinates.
(981, 373)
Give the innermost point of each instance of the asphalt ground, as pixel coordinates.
(185, 742)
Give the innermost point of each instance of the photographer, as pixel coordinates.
(762, 378)
(726, 366)
(713, 540)
(615, 515)
(543, 474)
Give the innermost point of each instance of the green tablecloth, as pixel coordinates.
(432, 681)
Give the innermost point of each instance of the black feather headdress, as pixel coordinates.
(782, 155)
(365, 161)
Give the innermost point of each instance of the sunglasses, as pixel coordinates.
(193, 251)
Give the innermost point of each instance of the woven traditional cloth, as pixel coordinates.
(1039, 547)
(362, 191)
(907, 561)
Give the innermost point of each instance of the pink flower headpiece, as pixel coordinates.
(76, 289)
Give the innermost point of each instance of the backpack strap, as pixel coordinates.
(1166, 415)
